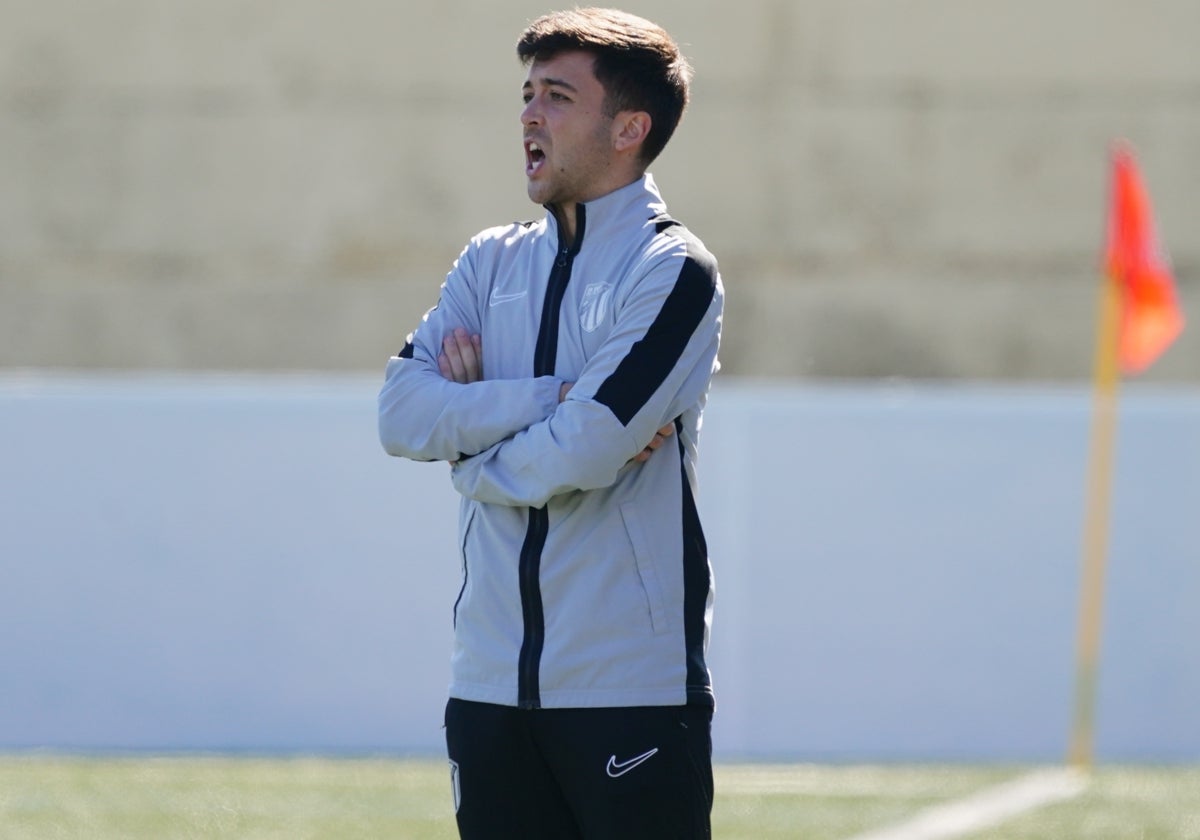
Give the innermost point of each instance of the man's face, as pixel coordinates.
(569, 152)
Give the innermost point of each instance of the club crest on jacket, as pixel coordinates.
(594, 306)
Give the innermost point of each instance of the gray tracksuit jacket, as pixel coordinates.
(586, 579)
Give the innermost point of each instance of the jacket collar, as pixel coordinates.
(630, 206)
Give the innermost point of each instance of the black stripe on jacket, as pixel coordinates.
(697, 583)
(655, 354)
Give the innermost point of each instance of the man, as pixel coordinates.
(562, 374)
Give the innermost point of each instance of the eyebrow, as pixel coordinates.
(548, 82)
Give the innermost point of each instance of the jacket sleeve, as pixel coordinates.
(425, 417)
(656, 363)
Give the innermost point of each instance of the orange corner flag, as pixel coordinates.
(1138, 264)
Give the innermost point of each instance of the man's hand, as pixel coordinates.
(461, 359)
(659, 438)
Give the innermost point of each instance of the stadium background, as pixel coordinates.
(893, 188)
(907, 200)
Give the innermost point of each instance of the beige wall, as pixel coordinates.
(893, 187)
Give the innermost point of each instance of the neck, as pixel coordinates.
(565, 215)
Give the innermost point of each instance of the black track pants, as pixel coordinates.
(638, 772)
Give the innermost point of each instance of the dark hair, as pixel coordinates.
(637, 62)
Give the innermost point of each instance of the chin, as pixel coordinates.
(538, 194)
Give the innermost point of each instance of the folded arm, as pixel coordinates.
(656, 363)
(426, 415)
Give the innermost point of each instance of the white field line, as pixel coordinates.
(987, 808)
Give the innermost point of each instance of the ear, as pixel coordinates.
(630, 130)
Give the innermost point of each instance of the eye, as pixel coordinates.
(559, 97)
(526, 96)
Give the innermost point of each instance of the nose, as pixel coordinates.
(531, 114)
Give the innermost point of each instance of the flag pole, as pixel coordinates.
(1139, 317)
(1098, 493)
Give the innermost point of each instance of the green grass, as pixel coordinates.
(47, 797)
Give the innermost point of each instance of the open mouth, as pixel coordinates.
(534, 158)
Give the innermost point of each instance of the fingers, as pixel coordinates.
(655, 442)
(644, 456)
(461, 359)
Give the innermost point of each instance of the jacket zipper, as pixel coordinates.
(544, 357)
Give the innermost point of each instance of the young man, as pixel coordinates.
(562, 374)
